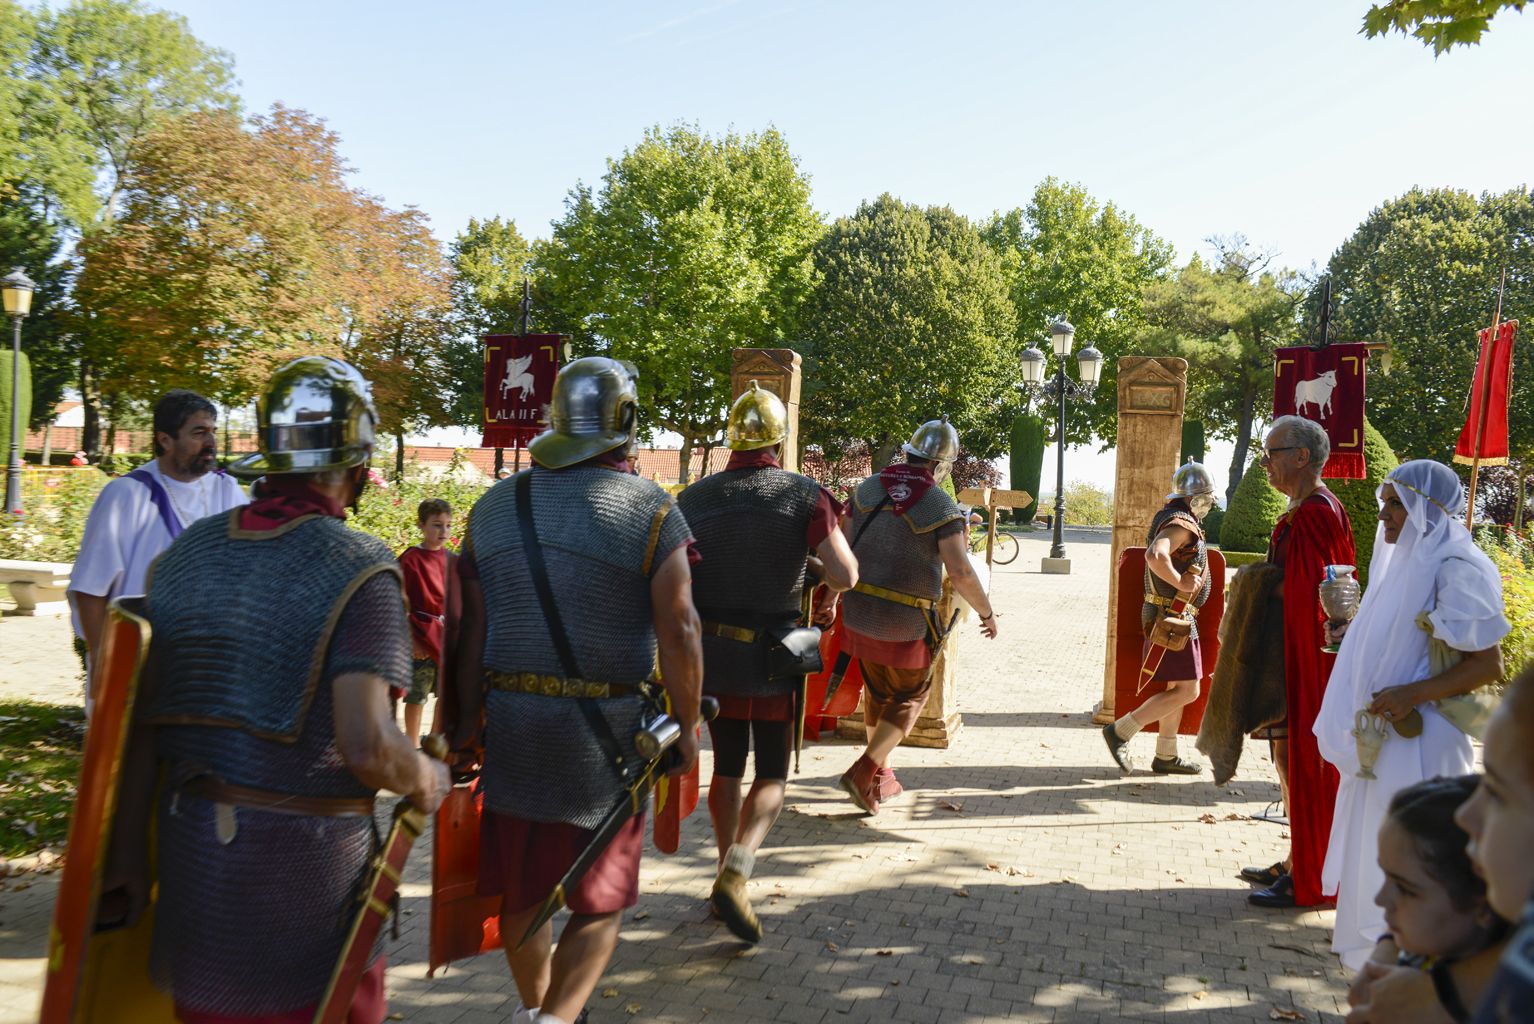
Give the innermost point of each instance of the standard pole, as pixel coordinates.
(1057, 550)
(13, 464)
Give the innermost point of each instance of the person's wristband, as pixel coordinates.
(988, 618)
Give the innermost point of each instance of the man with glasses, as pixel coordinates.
(1313, 533)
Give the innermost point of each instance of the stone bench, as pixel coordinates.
(37, 587)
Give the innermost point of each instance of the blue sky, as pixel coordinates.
(1274, 119)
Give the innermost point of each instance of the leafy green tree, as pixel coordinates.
(24, 393)
(911, 319)
(490, 260)
(1441, 24)
(1192, 441)
(691, 247)
(30, 241)
(1360, 499)
(1225, 320)
(1071, 256)
(1421, 274)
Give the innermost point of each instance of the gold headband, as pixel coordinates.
(1392, 481)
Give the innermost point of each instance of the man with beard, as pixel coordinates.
(905, 530)
(135, 517)
(1175, 564)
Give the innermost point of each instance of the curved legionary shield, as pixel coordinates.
(100, 973)
(675, 799)
(463, 924)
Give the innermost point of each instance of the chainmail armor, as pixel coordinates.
(594, 525)
(897, 553)
(1174, 513)
(255, 926)
(750, 525)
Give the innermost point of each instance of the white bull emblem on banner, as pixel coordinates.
(517, 376)
(1316, 392)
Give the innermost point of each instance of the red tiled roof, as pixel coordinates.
(654, 463)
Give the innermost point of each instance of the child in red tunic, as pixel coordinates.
(428, 572)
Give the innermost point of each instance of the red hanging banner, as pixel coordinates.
(1326, 385)
(519, 383)
(1493, 378)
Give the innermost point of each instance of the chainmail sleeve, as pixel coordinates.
(671, 532)
(373, 635)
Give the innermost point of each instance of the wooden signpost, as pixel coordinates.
(993, 500)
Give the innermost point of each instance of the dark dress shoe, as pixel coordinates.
(1279, 894)
(1175, 766)
(1118, 748)
(1263, 876)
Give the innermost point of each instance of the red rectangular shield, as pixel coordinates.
(1127, 691)
(1326, 385)
(519, 382)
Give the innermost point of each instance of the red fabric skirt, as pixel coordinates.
(1176, 666)
(522, 861)
(757, 709)
(368, 1006)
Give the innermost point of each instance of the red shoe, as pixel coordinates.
(889, 786)
(862, 784)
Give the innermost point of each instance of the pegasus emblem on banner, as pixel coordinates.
(1316, 392)
(517, 376)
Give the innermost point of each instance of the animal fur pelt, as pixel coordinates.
(1248, 688)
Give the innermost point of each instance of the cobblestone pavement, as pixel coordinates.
(1018, 879)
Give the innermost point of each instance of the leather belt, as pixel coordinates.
(886, 594)
(729, 632)
(1159, 601)
(217, 791)
(556, 686)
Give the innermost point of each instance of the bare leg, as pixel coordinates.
(1280, 750)
(724, 810)
(882, 743)
(530, 965)
(413, 722)
(585, 947)
(763, 805)
(1168, 704)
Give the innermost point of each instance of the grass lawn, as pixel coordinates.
(40, 750)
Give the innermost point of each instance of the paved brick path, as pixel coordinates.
(1019, 878)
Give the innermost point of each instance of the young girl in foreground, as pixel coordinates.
(1435, 906)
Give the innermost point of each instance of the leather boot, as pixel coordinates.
(889, 786)
(733, 906)
(861, 783)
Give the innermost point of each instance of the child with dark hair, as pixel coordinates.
(429, 576)
(1499, 821)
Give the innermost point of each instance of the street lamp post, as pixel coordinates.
(16, 292)
(1060, 389)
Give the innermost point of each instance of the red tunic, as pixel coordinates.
(1306, 540)
(426, 590)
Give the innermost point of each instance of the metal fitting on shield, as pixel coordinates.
(757, 419)
(316, 415)
(594, 409)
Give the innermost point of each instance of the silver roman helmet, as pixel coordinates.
(595, 408)
(1193, 482)
(938, 442)
(317, 414)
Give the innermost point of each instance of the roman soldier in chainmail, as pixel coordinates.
(278, 632)
(755, 523)
(554, 658)
(1176, 563)
(905, 531)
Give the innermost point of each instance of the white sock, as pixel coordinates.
(1126, 727)
(739, 858)
(524, 1014)
(549, 1018)
(1166, 744)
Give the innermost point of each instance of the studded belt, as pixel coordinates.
(1159, 601)
(555, 686)
(729, 632)
(884, 593)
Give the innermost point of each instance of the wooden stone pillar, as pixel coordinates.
(1152, 390)
(775, 370)
(939, 721)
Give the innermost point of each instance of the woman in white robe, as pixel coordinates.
(1425, 565)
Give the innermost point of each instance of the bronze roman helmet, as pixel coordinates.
(316, 414)
(1193, 482)
(757, 419)
(595, 409)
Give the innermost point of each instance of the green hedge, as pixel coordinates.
(1026, 464)
(388, 509)
(1514, 559)
(1213, 523)
(1192, 441)
(1236, 559)
(24, 393)
(1254, 508)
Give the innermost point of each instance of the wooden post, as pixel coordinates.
(776, 370)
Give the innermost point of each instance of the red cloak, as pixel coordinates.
(1305, 541)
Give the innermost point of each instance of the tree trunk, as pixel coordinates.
(48, 443)
(1243, 445)
(883, 454)
(399, 457)
(1523, 483)
(684, 459)
(708, 454)
(90, 434)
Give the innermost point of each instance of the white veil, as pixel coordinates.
(1384, 647)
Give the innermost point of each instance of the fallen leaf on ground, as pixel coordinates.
(1279, 1013)
(1207, 819)
(833, 947)
(884, 952)
(961, 892)
(952, 805)
(641, 915)
(1201, 994)
(993, 867)
(632, 1008)
(609, 993)
(1234, 817)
